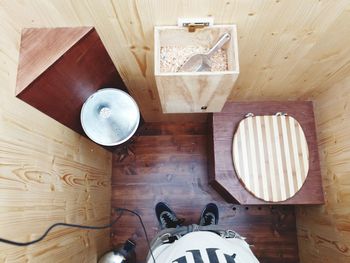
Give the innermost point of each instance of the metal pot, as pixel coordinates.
(110, 117)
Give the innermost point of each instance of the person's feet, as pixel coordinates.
(210, 215)
(166, 216)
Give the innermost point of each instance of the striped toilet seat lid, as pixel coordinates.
(270, 156)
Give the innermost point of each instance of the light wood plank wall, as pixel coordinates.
(287, 48)
(48, 173)
(323, 231)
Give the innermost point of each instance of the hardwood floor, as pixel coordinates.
(168, 162)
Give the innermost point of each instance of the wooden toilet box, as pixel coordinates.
(183, 92)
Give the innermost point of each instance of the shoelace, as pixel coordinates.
(169, 220)
(209, 219)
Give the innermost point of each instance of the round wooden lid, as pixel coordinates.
(270, 156)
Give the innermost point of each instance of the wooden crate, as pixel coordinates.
(182, 92)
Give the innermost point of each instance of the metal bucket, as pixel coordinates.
(110, 117)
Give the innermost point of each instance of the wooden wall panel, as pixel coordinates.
(323, 231)
(48, 174)
(288, 49)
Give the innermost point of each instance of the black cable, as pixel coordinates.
(10, 242)
(22, 244)
(143, 227)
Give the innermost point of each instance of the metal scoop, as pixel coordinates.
(201, 62)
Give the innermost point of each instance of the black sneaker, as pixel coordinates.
(210, 215)
(167, 217)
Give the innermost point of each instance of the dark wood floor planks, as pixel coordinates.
(169, 163)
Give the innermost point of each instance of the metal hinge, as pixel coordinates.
(195, 23)
(193, 26)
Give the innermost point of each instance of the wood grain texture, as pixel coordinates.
(48, 174)
(63, 87)
(40, 48)
(182, 92)
(270, 156)
(288, 49)
(221, 171)
(323, 231)
(170, 164)
(204, 93)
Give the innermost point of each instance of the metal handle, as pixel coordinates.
(281, 114)
(222, 41)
